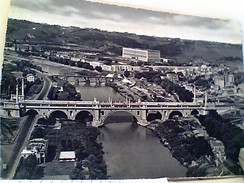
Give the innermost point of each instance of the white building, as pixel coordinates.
(141, 55)
(66, 156)
(37, 147)
(30, 77)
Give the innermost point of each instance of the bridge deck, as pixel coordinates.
(57, 104)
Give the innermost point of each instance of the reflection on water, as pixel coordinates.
(132, 151)
(101, 93)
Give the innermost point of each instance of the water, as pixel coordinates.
(101, 93)
(131, 151)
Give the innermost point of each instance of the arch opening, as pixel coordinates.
(58, 114)
(194, 112)
(31, 112)
(84, 116)
(175, 114)
(119, 117)
(153, 116)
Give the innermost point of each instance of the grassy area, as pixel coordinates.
(9, 130)
(55, 167)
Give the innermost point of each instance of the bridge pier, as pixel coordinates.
(143, 121)
(77, 81)
(98, 82)
(96, 118)
(10, 111)
(87, 82)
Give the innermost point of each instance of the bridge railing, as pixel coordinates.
(114, 104)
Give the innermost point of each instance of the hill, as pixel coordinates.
(178, 49)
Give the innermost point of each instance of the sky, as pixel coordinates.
(91, 14)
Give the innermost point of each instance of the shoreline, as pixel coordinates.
(196, 164)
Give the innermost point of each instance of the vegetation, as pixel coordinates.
(111, 42)
(169, 86)
(89, 155)
(6, 131)
(184, 145)
(27, 168)
(25, 65)
(8, 82)
(39, 132)
(239, 78)
(80, 64)
(127, 74)
(69, 92)
(231, 135)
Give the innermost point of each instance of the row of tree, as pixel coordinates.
(80, 64)
(25, 65)
(8, 82)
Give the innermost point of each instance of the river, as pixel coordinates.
(131, 151)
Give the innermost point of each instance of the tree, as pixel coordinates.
(127, 74)
(138, 75)
(5, 128)
(132, 63)
(139, 63)
(28, 168)
(76, 174)
(98, 68)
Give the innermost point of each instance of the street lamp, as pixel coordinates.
(22, 96)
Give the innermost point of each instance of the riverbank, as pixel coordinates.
(190, 145)
(69, 136)
(63, 90)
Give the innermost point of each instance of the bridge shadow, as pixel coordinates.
(120, 117)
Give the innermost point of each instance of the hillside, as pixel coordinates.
(178, 49)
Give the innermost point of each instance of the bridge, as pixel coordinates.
(98, 79)
(99, 110)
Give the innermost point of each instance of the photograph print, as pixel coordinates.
(98, 91)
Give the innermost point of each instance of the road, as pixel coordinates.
(26, 129)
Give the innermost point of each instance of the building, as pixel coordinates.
(219, 81)
(66, 156)
(30, 77)
(224, 81)
(229, 79)
(36, 147)
(141, 55)
(218, 149)
(172, 76)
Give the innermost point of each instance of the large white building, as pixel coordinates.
(141, 55)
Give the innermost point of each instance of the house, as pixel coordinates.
(30, 77)
(66, 156)
(172, 76)
(36, 147)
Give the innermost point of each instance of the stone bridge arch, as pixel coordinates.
(194, 112)
(31, 112)
(58, 114)
(175, 113)
(154, 114)
(83, 116)
(106, 114)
